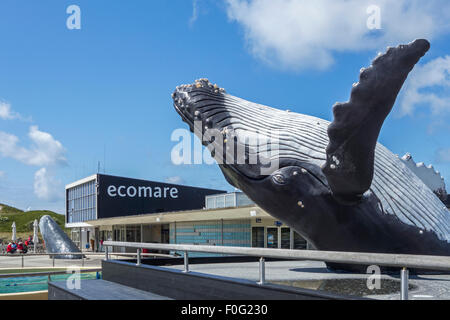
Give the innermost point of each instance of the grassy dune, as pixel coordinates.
(24, 221)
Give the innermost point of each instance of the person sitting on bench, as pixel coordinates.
(10, 248)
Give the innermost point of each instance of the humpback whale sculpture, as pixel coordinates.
(56, 240)
(335, 185)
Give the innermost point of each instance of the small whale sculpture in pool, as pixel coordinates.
(334, 184)
(56, 240)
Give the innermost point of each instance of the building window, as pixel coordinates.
(228, 200)
(299, 241)
(81, 203)
(285, 238)
(220, 202)
(133, 233)
(210, 202)
(258, 237)
(272, 237)
(76, 237)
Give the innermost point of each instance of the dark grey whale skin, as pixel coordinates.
(339, 211)
(331, 225)
(56, 240)
(334, 226)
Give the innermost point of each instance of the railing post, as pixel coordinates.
(186, 262)
(22, 262)
(106, 253)
(53, 261)
(262, 271)
(404, 284)
(138, 262)
(82, 260)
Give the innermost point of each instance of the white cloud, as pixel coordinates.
(175, 180)
(435, 76)
(6, 113)
(301, 34)
(46, 187)
(443, 155)
(44, 151)
(194, 16)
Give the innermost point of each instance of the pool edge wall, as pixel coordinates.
(36, 295)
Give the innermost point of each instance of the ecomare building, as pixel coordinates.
(103, 207)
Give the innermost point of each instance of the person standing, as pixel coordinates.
(92, 241)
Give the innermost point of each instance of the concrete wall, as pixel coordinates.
(195, 286)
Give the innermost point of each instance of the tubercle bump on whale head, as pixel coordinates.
(184, 95)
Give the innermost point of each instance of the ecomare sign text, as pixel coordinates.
(142, 192)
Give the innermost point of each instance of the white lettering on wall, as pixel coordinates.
(145, 192)
(142, 192)
(131, 192)
(120, 193)
(174, 193)
(112, 191)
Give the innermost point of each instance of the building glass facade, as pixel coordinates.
(235, 233)
(220, 233)
(232, 233)
(82, 202)
(227, 200)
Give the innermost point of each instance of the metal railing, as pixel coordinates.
(83, 255)
(45, 273)
(401, 261)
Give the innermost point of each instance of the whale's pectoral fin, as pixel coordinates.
(357, 123)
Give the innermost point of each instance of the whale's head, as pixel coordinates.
(235, 132)
(248, 153)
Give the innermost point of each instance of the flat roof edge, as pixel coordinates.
(78, 225)
(81, 181)
(205, 215)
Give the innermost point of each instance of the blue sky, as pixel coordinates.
(72, 98)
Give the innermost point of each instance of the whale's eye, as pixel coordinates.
(279, 178)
